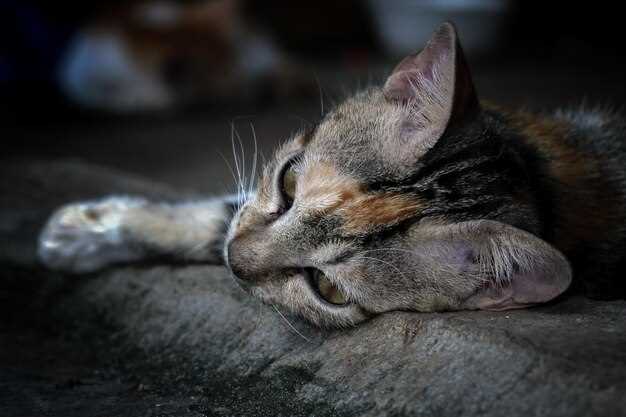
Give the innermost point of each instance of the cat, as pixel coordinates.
(411, 196)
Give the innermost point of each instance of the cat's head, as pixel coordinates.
(401, 198)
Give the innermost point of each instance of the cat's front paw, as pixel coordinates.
(87, 236)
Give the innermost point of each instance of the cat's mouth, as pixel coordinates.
(325, 290)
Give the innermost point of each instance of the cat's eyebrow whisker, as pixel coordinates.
(243, 159)
(263, 159)
(232, 172)
(319, 87)
(236, 160)
(254, 160)
(238, 167)
(291, 325)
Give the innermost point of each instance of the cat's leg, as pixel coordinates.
(86, 236)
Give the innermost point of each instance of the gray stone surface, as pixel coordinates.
(185, 340)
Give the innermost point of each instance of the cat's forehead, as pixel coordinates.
(358, 136)
(355, 122)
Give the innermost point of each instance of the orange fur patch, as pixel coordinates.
(323, 190)
(376, 210)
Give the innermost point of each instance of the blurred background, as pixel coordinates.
(157, 87)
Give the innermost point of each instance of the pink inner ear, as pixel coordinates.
(507, 267)
(436, 86)
(524, 290)
(419, 69)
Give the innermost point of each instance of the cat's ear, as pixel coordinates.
(510, 268)
(436, 85)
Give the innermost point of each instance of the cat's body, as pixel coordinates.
(579, 162)
(411, 196)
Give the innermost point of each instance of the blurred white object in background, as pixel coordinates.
(100, 72)
(405, 26)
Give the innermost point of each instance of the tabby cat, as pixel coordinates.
(410, 196)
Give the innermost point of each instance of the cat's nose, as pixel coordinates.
(242, 263)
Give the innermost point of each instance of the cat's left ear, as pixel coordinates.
(505, 267)
(436, 85)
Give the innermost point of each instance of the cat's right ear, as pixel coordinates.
(436, 85)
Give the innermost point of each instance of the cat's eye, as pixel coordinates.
(289, 184)
(327, 290)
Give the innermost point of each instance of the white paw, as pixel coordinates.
(84, 237)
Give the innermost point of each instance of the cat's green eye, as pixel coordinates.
(289, 183)
(328, 290)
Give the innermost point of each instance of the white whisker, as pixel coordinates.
(290, 325)
(230, 168)
(243, 161)
(319, 86)
(254, 160)
(236, 160)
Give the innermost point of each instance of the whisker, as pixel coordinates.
(230, 168)
(319, 86)
(241, 167)
(236, 160)
(254, 160)
(290, 325)
(243, 160)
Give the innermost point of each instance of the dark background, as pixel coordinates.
(545, 55)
